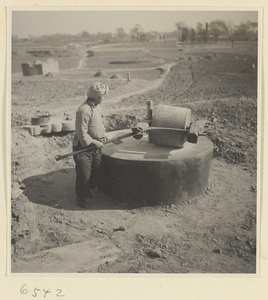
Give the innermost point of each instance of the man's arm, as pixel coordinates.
(81, 128)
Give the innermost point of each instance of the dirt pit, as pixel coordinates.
(212, 233)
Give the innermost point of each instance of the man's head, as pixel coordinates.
(96, 92)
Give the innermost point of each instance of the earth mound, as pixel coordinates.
(116, 76)
(99, 74)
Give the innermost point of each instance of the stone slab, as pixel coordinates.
(84, 257)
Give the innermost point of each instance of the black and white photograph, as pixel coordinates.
(134, 140)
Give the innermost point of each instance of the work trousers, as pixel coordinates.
(88, 166)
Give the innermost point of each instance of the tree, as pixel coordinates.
(242, 32)
(180, 25)
(84, 34)
(201, 32)
(136, 32)
(205, 33)
(247, 31)
(231, 31)
(185, 35)
(120, 33)
(254, 31)
(183, 32)
(216, 29)
(192, 35)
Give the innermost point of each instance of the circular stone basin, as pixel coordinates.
(142, 173)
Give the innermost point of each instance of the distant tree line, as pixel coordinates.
(245, 31)
(202, 33)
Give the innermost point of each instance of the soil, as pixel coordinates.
(212, 233)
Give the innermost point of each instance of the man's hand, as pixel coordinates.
(98, 144)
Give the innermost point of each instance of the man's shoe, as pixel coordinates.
(81, 203)
(89, 194)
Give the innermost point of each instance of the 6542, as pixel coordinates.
(41, 292)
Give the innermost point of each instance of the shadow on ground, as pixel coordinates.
(57, 189)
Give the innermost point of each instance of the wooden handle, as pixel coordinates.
(163, 128)
(92, 148)
(89, 149)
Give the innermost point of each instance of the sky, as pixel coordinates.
(46, 22)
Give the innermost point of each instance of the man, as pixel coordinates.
(89, 130)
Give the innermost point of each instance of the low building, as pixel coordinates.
(40, 68)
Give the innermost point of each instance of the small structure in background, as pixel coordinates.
(40, 68)
(128, 77)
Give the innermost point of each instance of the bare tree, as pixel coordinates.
(136, 32)
(254, 30)
(216, 29)
(247, 31)
(180, 25)
(120, 33)
(192, 35)
(185, 35)
(201, 32)
(231, 31)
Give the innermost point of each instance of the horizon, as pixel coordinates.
(37, 23)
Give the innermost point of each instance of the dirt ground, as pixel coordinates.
(212, 233)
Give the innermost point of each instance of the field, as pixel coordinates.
(212, 233)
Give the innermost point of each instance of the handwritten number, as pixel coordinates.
(35, 289)
(60, 291)
(23, 290)
(46, 291)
